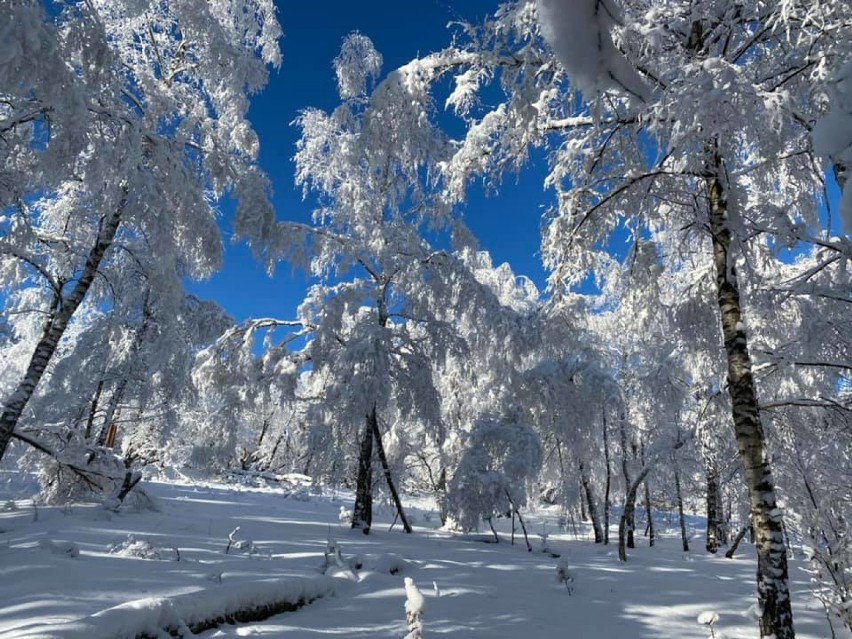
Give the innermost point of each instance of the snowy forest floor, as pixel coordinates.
(483, 589)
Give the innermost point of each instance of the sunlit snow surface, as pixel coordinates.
(486, 590)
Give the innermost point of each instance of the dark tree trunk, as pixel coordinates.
(628, 522)
(738, 539)
(649, 526)
(57, 321)
(441, 492)
(681, 519)
(773, 593)
(117, 396)
(711, 475)
(93, 409)
(608, 484)
(590, 499)
(624, 533)
(649, 519)
(380, 448)
(362, 512)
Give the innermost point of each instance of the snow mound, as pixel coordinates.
(141, 549)
(194, 612)
(65, 548)
(389, 563)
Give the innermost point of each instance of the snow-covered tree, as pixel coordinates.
(502, 456)
(122, 124)
(388, 305)
(696, 123)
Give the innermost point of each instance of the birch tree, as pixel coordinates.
(119, 120)
(696, 123)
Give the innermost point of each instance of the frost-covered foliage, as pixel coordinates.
(832, 137)
(502, 455)
(122, 124)
(244, 412)
(390, 310)
(717, 156)
(583, 34)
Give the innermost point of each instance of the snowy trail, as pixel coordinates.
(486, 590)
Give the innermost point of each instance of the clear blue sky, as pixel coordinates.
(507, 226)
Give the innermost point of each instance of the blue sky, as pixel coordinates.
(507, 226)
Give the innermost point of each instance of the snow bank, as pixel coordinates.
(195, 611)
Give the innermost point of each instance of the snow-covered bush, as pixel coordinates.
(710, 619)
(142, 549)
(502, 455)
(85, 474)
(830, 565)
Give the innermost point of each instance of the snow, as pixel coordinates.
(580, 33)
(415, 602)
(832, 135)
(487, 590)
(708, 618)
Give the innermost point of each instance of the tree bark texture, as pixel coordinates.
(681, 519)
(649, 519)
(590, 498)
(608, 484)
(628, 517)
(624, 524)
(380, 448)
(711, 475)
(776, 619)
(362, 513)
(56, 324)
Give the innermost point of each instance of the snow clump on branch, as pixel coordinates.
(581, 34)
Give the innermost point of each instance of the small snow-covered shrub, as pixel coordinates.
(415, 605)
(345, 516)
(710, 619)
(142, 549)
(501, 457)
(244, 545)
(830, 566)
(335, 563)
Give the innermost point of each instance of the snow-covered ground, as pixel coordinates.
(77, 572)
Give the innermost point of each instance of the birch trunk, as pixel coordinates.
(629, 512)
(649, 519)
(608, 485)
(776, 619)
(590, 498)
(681, 519)
(93, 409)
(56, 324)
(118, 394)
(711, 475)
(625, 533)
(380, 448)
(362, 512)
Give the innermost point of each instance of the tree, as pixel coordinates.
(501, 457)
(388, 301)
(119, 121)
(696, 125)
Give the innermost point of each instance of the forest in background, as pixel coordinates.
(704, 369)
